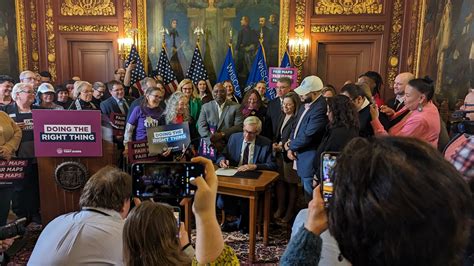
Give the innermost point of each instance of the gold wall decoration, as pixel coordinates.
(300, 18)
(419, 37)
(87, 8)
(394, 45)
(142, 33)
(347, 28)
(34, 37)
(88, 28)
(21, 33)
(51, 39)
(347, 7)
(127, 17)
(284, 26)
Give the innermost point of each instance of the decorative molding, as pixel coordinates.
(87, 8)
(419, 36)
(347, 7)
(142, 32)
(394, 44)
(21, 33)
(284, 27)
(127, 17)
(51, 39)
(88, 28)
(347, 28)
(34, 36)
(300, 18)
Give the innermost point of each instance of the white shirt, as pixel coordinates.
(84, 237)
(220, 108)
(251, 151)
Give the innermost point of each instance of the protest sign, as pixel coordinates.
(12, 170)
(138, 152)
(277, 72)
(61, 133)
(174, 137)
(118, 121)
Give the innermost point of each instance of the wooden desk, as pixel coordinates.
(251, 188)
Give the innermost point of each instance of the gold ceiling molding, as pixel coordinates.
(21, 33)
(87, 8)
(348, 7)
(347, 28)
(300, 18)
(88, 28)
(51, 40)
(284, 26)
(394, 45)
(34, 37)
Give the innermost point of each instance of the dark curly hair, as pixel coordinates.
(343, 112)
(375, 76)
(397, 201)
(424, 86)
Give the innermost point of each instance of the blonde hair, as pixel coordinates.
(185, 82)
(172, 104)
(79, 86)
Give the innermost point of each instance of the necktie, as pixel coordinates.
(120, 104)
(245, 156)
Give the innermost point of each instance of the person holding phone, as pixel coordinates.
(150, 232)
(396, 201)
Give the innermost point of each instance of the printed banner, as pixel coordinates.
(12, 170)
(138, 152)
(61, 133)
(173, 137)
(277, 72)
(118, 123)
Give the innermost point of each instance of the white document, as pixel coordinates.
(226, 171)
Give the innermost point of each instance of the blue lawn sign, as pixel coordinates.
(259, 72)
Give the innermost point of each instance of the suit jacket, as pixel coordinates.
(262, 155)
(365, 129)
(273, 116)
(229, 122)
(285, 134)
(111, 106)
(309, 136)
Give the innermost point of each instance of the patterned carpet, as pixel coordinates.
(269, 255)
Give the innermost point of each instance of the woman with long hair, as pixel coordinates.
(361, 102)
(343, 126)
(187, 87)
(252, 104)
(287, 183)
(151, 235)
(204, 92)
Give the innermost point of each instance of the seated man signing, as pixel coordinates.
(248, 151)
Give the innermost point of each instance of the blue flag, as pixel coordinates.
(259, 72)
(228, 72)
(285, 61)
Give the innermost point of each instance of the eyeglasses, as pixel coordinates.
(250, 132)
(27, 92)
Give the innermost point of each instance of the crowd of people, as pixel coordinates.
(389, 175)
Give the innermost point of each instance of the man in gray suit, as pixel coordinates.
(219, 118)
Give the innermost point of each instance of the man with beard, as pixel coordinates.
(309, 131)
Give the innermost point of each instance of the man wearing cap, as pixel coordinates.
(306, 136)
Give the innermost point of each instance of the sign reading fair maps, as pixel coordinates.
(277, 72)
(61, 133)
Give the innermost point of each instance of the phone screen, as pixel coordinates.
(176, 213)
(165, 180)
(328, 161)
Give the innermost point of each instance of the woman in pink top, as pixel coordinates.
(422, 121)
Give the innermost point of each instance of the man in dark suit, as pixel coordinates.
(219, 118)
(274, 111)
(308, 132)
(247, 151)
(397, 103)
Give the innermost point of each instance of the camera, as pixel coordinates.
(328, 162)
(13, 229)
(460, 123)
(165, 179)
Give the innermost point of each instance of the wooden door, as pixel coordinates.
(91, 61)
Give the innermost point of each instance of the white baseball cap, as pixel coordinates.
(309, 84)
(46, 87)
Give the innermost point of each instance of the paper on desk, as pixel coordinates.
(226, 171)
